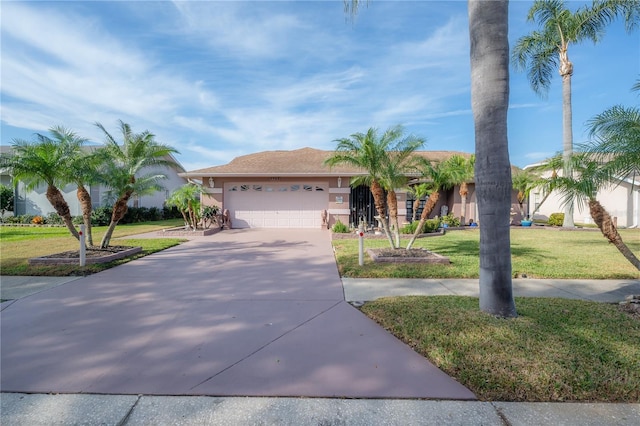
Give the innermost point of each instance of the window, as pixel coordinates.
(244, 187)
(307, 187)
(295, 187)
(234, 188)
(257, 187)
(319, 188)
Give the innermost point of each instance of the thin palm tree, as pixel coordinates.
(488, 30)
(591, 177)
(437, 177)
(541, 52)
(418, 191)
(525, 181)
(82, 171)
(42, 162)
(123, 166)
(369, 152)
(461, 173)
(397, 165)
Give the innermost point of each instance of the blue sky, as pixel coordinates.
(221, 79)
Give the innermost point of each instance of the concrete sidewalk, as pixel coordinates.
(130, 410)
(607, 291)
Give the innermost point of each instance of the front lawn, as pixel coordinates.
(536, 253)
(556, 350)
(18, 244)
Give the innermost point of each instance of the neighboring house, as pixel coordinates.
(35, 202)
(621, 200)
(293, 189)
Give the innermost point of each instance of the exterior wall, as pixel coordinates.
(621, 201)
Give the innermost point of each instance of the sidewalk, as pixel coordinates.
(130, 410)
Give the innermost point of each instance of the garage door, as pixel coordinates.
(276, 205)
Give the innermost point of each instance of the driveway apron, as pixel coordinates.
(242, 312)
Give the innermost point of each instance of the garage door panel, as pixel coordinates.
(264, 205)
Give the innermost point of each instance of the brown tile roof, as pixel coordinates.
(299, 162)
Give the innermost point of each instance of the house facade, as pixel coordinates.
(294, 189)
(621, 200)
(35, 202)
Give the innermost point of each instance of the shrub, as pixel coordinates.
(54, 218)
(430, 225)
(101, 216)
(450, 220)
(340, 228)
(37, 220)
(556, 219)
(77, 220)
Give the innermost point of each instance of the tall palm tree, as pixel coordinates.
(488, 31)
(437, 177)
(122, 167)
(592, 176)
(461, 173)
(541, 52)
(395, 169)
(42, 162)
(368, 151)
(82, 171)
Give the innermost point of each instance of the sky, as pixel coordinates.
(216, 80)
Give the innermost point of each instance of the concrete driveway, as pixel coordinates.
(242, 312)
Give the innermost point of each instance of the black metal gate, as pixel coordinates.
(362, 207)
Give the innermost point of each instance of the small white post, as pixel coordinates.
(83, 248)
(361, 245)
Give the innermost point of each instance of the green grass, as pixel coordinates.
(538, 253)
(556, 350)
(18, 244)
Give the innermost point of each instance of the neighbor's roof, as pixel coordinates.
(299, 162)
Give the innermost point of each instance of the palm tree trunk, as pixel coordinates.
(392, 202)
(602, 218)
(464, 190)
(62, 208)
(428, 208)
(416, 206)
(488, 31)
(378, 199)
(119, 210)
(566, 69)
(85, 202)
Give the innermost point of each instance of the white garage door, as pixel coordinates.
(276, 205)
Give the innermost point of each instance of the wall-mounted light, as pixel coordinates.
(211, 182)
(339, 182)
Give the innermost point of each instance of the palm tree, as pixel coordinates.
(82, 170)
(524, 181)
(615, 135)
(437, 177)
(187, 200)
(488, 30)
(543, 51)
(122, 166)
(369, 152)
(593, 176)
(42, 162)
(461, 173)
(395, 169)
(419, 191)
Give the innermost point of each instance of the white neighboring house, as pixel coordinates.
(621, 200)
(35, 202)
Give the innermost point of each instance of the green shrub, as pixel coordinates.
(409, 228)
(450, 220)
(340, 228)
(53, 218)
(556, 219)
